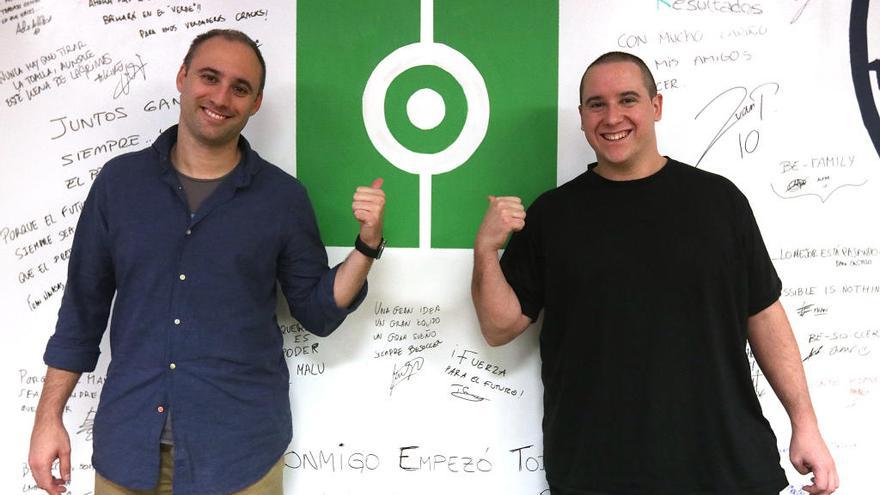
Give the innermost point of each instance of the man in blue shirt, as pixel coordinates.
(192, 236)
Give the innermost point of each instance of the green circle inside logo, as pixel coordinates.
(399, 92)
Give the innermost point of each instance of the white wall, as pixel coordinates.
(817, 221)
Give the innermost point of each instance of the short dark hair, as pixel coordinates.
(610, 57)
(230, 35)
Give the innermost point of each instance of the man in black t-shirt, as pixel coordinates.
(652, 276)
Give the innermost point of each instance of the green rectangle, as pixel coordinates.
(514, 47)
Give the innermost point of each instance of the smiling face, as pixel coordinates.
(617, 117)
(219, 91)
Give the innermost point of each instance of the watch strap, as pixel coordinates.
(366, 250)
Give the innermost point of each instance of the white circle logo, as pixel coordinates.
(475, 125)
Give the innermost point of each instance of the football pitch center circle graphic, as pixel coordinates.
(476, 121)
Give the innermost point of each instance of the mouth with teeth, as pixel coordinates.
(214, 115)
(615, 136)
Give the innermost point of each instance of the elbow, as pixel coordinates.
(500, 321)
(318, 323)
(495, 342)
(500, 329)
(497, 336)
(319, 331)
(321, 328)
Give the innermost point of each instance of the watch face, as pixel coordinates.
(864, 41)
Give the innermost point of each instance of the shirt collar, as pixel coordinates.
(243, 173)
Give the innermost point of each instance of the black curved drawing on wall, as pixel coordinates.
(862, 68)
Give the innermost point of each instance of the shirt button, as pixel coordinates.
(177, 321)
(160, 409)
(189, 231)
(172, 366)
(182, 276)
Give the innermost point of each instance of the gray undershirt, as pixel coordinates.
(196, 192)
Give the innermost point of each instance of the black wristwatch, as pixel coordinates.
(367, 250)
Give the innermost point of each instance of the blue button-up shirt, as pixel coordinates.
(193, 326)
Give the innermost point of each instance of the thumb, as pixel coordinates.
(65, 466)
(491, 198)
(377, 183)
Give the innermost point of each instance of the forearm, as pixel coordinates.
(368, 206)
(777, 353)
(498, 309)
(57, 388)
(350, 277)
(49, 439)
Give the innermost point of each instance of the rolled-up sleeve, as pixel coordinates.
(88, 293)
(305, 279)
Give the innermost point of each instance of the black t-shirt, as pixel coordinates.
(646, 287)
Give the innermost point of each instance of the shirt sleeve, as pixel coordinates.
(764, 284)
(89, 290)
(306, 280)
(523, 263)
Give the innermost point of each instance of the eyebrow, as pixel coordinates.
(237, 80)
(621, 95)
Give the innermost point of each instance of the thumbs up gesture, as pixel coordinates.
(505, 214)
(368, 206)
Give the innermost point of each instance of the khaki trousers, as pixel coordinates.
(270, 484)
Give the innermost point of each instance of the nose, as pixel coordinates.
(614, 115)
(221, 95)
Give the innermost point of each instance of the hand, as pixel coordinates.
(808, 453)
(505, 214)
(368, 207)
(49, 441)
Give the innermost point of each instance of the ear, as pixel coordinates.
(181, 75)
(257, 103)
(657, 102)
(581, 115)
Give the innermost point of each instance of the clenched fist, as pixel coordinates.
(505, 214)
